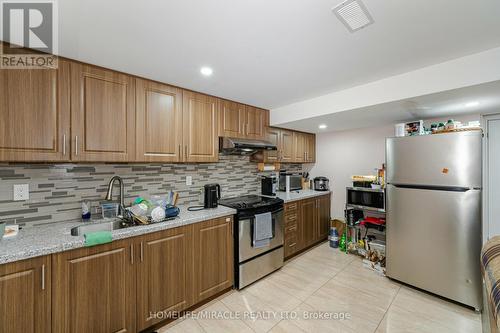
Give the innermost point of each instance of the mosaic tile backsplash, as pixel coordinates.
(56, 190)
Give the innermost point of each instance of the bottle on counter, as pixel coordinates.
(86, 210)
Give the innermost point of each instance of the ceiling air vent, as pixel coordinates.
(353, 14)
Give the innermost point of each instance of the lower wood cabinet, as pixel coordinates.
(306, 223)
(165, 275)
(125, 286)
(25, 296)
(94, 289)
(213, 257)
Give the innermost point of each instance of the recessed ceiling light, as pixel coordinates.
(322, 126)
(207, 71)
(472, 104)
(353, 14)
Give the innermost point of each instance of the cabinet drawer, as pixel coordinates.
(290, 219)
(291, 208)
(291, 246)
(291, 230)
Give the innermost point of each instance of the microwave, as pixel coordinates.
(295, 182)
(366, 198)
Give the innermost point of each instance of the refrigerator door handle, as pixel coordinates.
(434, 187)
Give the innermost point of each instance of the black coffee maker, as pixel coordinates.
(212, 195)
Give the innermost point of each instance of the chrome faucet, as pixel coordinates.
(109, 195)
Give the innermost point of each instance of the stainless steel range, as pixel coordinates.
(255, 258)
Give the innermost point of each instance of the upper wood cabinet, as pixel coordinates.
(273, 136)
(292, 146)
(286, 146)
(159, 122)
(310, 148)
(164, 275)
(213, 255)
(300, 144)
(256, 122)
(102, 114)
(200, 140)
(232, 117)
(94, 289)
(25, 296)
(35, 114)
(242, 121)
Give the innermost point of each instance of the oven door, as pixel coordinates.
(245, 232)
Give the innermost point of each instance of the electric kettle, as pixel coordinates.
(212, 195)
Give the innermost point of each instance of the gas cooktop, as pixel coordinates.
(250, 201)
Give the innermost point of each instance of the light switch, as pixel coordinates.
(189, 180)
(21, 192)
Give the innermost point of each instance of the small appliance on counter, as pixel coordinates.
(295, 182)
(212, 195)
(269, 185)
(321, 184)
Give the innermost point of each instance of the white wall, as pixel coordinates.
(339, 155)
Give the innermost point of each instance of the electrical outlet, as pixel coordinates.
(189, 180)
(21, 192)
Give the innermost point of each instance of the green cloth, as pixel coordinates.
(98, 237)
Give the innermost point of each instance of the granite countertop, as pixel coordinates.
(299, 195)
(42, 240)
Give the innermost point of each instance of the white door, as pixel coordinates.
(493, 177)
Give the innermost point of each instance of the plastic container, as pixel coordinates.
(109, 210)
(378, 246)
(334, 238)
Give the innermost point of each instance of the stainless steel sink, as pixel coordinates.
(100, 226)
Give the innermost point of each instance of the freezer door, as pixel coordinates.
(452, 159)
(434, 241)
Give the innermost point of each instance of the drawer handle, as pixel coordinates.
(292, 245)
(142, 251)
(43, 277)
(132, 254)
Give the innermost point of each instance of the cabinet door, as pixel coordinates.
(307, 222)
(94, 289)
(159, 122)
(310, 148)
(25, 296)
(299, 147)
(200, 138)
(102, 115)
(255, 123)
(231, 119)
(164, 275)
(213, 253)
(273, 136)
(286, 146)
(35, 114)
(323, 217)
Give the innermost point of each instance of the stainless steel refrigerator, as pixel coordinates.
(434, 214)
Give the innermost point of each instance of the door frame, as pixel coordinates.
(485, 119)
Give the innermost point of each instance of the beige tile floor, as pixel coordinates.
(324, 281)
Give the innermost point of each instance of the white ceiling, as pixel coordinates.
(272, 53)
(447, 104)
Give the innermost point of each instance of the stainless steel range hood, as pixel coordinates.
(235, 146)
